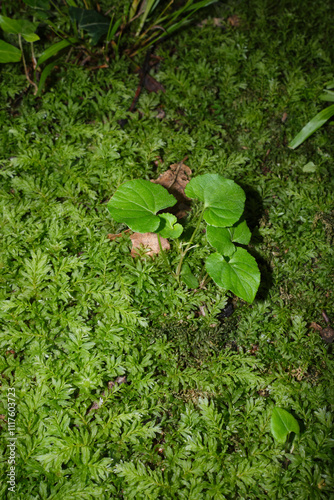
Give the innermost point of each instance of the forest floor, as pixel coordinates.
(127, 384)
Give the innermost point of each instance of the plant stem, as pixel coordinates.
(25, 66)
(179, 266)
(162, 251)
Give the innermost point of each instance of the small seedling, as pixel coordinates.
(282, 423)
(137, 203)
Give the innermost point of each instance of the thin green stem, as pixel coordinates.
(162, 251)
(183, 253)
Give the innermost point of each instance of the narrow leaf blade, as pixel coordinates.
(312, 126)
(188, 277)
(45, 73)
(54, 49)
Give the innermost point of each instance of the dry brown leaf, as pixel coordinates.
(175, 180)
(216, 21)
(284, 117)
(149, 240)
(327, 333)
(113, 237)
(152, 85)
(234, 21)
(161, 114)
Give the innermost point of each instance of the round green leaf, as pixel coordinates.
(222, 238)
(168, 227)
(223, 199)
(136, 203)
(9, 53)
(282, 423)
(240, 273)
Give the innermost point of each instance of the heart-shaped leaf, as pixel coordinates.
(17, 26)
(91, 21)
(9, 53)
(136, 203)
(282, 423)
(239, 274)
(188, 277)
(168, 227)
(223, 199)
(222, 238)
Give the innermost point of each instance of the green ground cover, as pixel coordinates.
(189, 412)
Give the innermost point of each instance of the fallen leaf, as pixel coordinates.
(161, 114)
(152, 85)
(327, 335)
(149, 240)
(315, 326)
(284, 117)
(175, 180)
(113, 237)
(234, 21)
(216, 21)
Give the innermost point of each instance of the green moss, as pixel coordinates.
(77, 311)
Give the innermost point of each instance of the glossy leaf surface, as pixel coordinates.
(223, 199)
(9, 53)
(17, 26)
(168, 226)
(54, 49)
(282, 423)
(239, 274)
(312, 126)
(137, 202)
(222, 238)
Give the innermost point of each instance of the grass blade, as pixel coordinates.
(45, 73)
(54, 49)
(312, 126)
